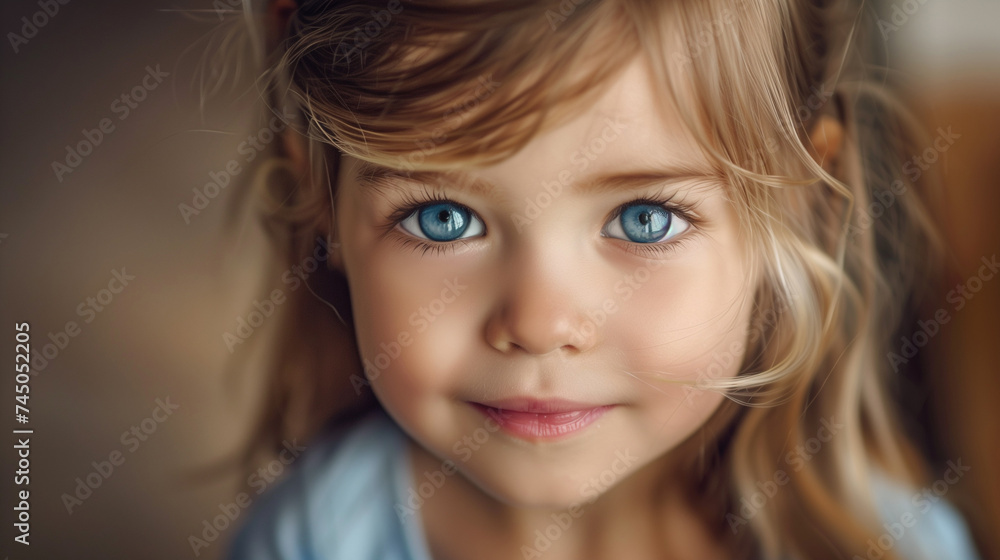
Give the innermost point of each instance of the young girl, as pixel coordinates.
(603, 280)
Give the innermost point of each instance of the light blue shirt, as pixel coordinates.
(341, 503)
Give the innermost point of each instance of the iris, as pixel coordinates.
(645, 223)
(443, 222)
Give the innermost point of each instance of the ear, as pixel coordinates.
(826, 138)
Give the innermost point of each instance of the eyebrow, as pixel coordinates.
(373, 176)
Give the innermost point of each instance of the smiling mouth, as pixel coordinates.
(541, 420)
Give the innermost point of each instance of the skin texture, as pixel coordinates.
(554, 309)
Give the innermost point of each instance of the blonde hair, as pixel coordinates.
(751, 78)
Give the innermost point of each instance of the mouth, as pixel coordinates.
(541, 419)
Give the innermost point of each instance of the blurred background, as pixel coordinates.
(128, 294)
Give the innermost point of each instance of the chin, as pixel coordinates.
(533, 494)
(532, 486)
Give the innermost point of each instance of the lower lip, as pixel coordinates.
(533, 425)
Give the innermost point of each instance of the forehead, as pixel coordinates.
(632, 136)
(633, 125)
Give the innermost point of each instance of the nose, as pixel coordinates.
(541, 309)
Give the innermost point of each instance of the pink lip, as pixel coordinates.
(541, 419)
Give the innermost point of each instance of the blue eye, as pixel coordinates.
(442, 222)
(646, 223)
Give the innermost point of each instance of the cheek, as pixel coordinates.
(679, 329)
(412, 326)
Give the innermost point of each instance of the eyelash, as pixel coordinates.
(685, 212)
(412, 203)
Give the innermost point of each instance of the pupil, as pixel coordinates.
(644, 218)
(444, 215)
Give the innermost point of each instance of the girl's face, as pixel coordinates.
(522, 322)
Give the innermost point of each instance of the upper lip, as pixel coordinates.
(538, 406)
